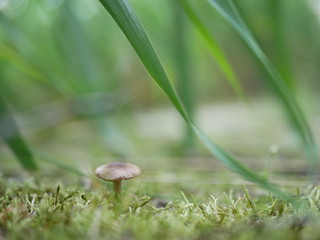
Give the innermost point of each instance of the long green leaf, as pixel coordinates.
(123, 13)
(231, 162)
(10, 134)
(214, 49)
(229, 11)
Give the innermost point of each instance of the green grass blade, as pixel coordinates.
(235, 165)
(10, 134)
(124, 15)
(228, 10)
(215, 49)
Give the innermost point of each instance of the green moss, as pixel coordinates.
(35, 210)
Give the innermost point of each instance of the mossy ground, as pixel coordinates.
(40, 208)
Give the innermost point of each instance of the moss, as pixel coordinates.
(40, 211)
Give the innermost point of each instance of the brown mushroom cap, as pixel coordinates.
(117, 171)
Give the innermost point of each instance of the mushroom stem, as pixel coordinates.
(117, 187)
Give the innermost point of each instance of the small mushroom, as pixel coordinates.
(116, 172)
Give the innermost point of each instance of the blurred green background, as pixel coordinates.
(79, 92)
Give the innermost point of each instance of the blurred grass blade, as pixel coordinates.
(214, 49)
(13, 50)
(79, 49)
(10, 56)
(57, 163)
(124, 15)
(183, 70)
(10, 134)
(282, 57)
(229, 11)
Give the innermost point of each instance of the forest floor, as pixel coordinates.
(193, 197)
(39, 208)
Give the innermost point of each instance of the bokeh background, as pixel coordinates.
(81, 95)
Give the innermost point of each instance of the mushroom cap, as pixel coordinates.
(117, 171)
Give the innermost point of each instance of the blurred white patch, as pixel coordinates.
(160, 124)
(315, 7)
(43, 15)
(14, 8)
(4, 4)
(274, 149)
(85, 9)
(52, 4)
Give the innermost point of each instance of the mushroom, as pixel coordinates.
(116, 172)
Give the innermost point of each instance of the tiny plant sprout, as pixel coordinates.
(116, 172)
